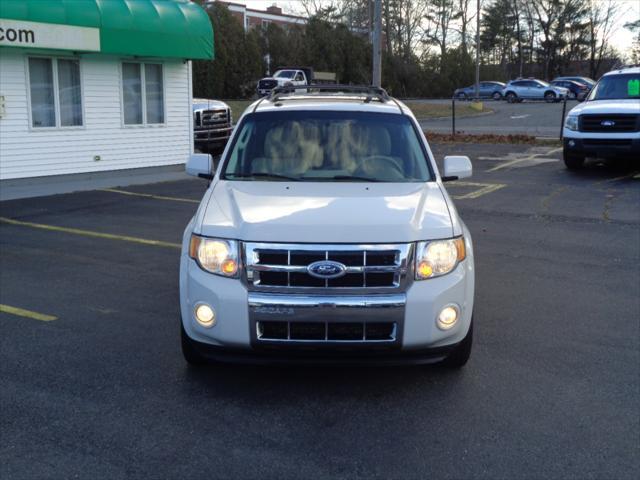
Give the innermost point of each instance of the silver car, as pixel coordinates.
(533, 89)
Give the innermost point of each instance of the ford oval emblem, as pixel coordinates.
(327, 269)
(607, 123)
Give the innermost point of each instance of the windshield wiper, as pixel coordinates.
(275, 176)
(354, 177)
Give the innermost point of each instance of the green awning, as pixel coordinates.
(144, 28)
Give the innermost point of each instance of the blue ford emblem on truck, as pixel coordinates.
(327, 269)
(607, 123)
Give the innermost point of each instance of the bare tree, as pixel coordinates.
(603, 16)
(440, 13)
(463, 18)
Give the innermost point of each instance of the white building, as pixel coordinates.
(89, 86)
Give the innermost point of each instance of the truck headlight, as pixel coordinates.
(571, 122)
(215, 255)
(438, 257)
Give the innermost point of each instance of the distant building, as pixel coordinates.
(252, 18)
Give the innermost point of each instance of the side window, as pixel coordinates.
(55, 92)
(299, 77)
(142, 93)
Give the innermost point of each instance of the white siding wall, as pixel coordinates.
(32, 152)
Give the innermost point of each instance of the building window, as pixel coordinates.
(265, 24)
(142, 93)
(55, 92)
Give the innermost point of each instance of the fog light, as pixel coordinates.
(205, 315)
(448, 317)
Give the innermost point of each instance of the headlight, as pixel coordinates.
(571, 122)
(439, 257)
(215, 255)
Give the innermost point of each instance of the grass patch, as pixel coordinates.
(423, 110)
(238, 107)
(489, 138)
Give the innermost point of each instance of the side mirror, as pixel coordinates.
(200, 165)
(456, 167)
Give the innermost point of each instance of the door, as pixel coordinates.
(536, 90)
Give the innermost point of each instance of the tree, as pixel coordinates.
(238, 60)
(635, 51)
(603, 15)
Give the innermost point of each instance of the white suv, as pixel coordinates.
(326, 235)
(607, 124)
(533, 89)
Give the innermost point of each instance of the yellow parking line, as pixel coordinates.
(484, 189)
(148, 195)
(520, 160)
(90, 233)
(26, 313)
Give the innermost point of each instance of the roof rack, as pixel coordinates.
(369, 92)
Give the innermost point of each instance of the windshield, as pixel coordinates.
(327, 146)
(542, 82)
(617, 87)
(284, 74)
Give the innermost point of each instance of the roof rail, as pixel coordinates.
(366, 91)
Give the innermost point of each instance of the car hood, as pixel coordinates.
(319, 212)
(205, 104)
(630, 105)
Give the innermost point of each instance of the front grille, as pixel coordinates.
(267, 84)
(610, 123)
(606, 142)
(327, 331)
(286, 266)
(208, 119)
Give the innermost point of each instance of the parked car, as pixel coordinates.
(212, 124)
(294, 76)
(533, 89)
(577, 91)
(607, 124)
(489, 89)
(326, 235)
(589, 82)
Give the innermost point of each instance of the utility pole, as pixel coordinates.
(477, 93)
(377, 43)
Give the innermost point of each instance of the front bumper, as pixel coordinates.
(416, 338)
(210, 139)
(315, 356)
(602, 146)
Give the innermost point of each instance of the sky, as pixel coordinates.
(622, 38)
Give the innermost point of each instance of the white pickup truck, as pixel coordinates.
(293, 76)
(326, 235)
(607, 124)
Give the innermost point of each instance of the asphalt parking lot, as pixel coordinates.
(93, 381)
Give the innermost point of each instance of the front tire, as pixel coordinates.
(511, 97)
(573, 161)
(189, 352)
(459, 357)
(549, 97)
(496, 96)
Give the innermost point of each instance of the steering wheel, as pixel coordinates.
(381, 166)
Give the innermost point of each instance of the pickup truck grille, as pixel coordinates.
(610, 123)
(267, 84)
(272, 266)
(211, 119)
